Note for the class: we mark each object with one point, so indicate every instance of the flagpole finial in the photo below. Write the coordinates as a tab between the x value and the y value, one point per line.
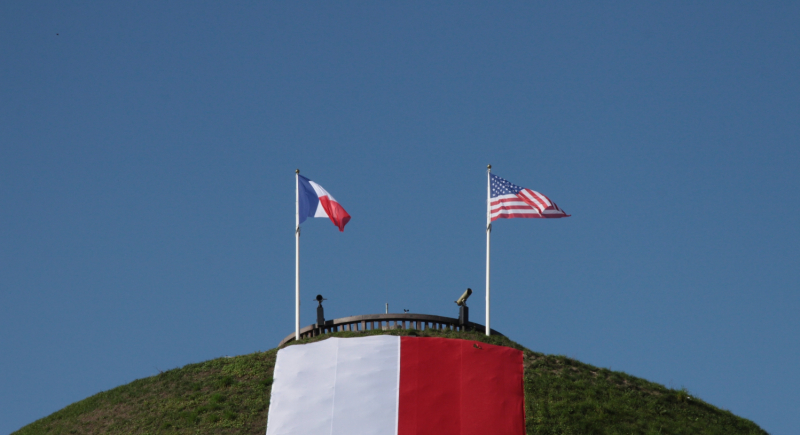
296	171
488	166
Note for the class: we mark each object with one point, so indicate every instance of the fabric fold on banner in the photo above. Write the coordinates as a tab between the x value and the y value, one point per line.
388	385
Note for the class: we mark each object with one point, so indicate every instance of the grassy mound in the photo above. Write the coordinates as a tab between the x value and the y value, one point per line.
231	396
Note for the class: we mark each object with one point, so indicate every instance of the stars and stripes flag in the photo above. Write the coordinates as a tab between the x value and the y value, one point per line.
511	201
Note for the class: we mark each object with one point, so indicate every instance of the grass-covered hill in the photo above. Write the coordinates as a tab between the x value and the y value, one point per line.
231	396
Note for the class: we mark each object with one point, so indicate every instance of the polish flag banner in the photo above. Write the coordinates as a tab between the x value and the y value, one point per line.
389	385
314	201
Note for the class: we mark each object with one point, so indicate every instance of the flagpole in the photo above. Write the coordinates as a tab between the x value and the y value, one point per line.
297	254
488	240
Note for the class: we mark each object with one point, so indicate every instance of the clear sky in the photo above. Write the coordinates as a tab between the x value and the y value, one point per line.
148	149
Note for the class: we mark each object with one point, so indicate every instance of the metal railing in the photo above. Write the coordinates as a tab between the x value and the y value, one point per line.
385	322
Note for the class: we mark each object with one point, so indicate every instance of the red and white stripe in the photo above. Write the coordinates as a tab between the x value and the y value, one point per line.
535	199
525	204
388	385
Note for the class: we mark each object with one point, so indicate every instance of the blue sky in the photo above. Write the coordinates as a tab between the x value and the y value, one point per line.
147	157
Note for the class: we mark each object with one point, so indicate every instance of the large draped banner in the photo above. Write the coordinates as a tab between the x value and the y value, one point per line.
388	385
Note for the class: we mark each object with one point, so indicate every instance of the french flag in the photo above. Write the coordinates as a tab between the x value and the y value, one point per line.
314	201
389	385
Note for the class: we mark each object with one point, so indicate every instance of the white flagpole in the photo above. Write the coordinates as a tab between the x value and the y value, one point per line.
488	240
297	254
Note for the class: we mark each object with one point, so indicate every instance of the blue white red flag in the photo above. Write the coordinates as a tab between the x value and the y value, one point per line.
511	201
314	201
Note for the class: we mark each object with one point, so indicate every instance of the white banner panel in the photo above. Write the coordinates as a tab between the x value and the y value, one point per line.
338	386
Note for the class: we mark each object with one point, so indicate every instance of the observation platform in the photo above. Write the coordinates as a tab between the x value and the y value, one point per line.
386	322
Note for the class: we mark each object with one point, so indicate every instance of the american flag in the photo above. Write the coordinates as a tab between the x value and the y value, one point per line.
511	201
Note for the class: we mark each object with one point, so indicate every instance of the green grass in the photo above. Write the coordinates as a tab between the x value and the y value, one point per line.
231	396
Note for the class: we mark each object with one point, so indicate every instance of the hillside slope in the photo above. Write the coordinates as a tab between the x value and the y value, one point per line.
231	396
